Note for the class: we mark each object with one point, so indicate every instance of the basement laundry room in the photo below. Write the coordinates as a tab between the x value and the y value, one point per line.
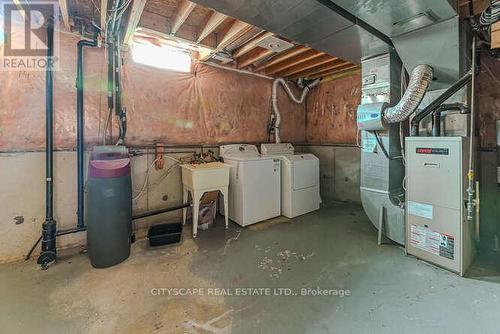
229	166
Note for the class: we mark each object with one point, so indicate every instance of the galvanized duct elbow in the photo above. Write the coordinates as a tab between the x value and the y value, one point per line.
420	80
299	100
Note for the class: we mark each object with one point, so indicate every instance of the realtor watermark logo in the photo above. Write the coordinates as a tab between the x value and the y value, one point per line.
25	38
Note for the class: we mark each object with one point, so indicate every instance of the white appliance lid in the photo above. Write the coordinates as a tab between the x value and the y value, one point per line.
300	157
277	149
239	150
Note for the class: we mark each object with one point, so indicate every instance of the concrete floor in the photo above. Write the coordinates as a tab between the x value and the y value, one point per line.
334	248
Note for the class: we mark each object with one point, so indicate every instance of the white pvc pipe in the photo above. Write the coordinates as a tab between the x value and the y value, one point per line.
274	98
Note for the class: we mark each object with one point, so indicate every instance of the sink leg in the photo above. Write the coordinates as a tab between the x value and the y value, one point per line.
196	208
185	194
226	206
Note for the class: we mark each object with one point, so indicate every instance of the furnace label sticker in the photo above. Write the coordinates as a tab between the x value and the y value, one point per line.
369	143
433	242
420	210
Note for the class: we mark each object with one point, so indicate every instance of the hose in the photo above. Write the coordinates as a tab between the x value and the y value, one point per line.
299	100
420	80
491	14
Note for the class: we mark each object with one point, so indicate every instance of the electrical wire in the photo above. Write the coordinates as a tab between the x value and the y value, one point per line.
379	141
148	173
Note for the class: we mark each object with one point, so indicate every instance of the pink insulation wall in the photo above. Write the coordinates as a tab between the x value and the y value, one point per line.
208	105
331	111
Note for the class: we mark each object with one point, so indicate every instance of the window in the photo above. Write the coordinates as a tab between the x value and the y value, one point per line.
165	57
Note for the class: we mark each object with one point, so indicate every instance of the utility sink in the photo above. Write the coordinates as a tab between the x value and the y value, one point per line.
205	176
198	179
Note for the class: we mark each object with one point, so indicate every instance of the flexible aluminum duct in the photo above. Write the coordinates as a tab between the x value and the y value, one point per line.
274	97
420	80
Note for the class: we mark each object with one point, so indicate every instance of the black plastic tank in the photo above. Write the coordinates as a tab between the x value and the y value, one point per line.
109	206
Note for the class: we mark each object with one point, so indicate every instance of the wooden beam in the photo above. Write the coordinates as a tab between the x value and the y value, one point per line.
307	65
63	6
252	44
341	70
328	67
214	21
104	13
254	57
341	74
185	8
302	58
133	21
236	30
282	57
479	7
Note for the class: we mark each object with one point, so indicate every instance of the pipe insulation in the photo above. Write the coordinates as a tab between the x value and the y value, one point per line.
274	96
420	80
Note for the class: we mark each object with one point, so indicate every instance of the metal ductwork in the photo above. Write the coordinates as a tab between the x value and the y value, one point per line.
309	22
419	82
442	45
352	30
382	193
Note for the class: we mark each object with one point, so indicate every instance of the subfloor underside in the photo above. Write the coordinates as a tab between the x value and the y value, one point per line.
371	288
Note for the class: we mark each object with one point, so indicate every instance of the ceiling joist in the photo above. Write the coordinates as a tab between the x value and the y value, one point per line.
253	57
236	30
346	68
252	44
306	56
328	67
282	57
185	8
104	12
308	65
133	21
210	34
213	22
63	5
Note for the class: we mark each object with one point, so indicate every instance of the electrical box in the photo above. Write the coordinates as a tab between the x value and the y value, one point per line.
437	229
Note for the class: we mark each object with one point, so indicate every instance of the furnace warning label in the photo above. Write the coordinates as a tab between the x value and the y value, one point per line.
433	242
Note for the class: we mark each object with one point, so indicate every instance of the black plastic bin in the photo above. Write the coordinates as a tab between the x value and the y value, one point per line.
164	234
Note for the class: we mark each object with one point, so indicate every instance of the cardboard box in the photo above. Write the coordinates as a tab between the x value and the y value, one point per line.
209	197
496	26
495	39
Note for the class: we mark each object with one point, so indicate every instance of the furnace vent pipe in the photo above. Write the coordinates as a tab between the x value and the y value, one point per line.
420	80
274	96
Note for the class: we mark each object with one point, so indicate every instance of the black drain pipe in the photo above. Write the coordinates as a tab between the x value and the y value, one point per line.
49	228
160	211
80	126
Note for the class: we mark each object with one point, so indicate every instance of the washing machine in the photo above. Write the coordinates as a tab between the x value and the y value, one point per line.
299	179
254	184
